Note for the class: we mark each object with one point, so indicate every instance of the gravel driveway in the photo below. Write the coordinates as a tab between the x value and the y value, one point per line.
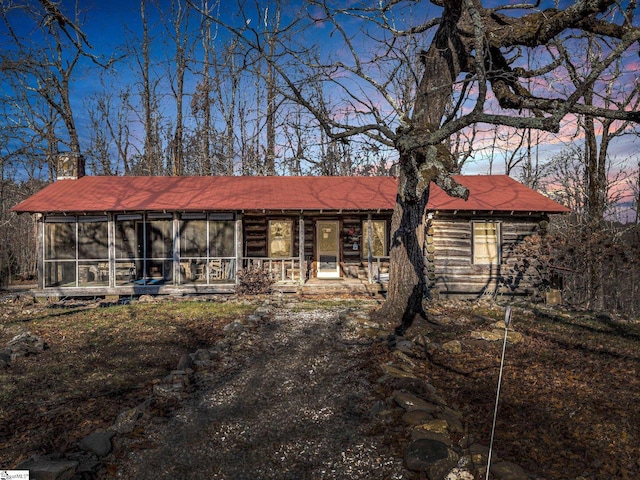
291	399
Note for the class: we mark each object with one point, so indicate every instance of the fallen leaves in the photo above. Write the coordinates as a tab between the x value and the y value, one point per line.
568	402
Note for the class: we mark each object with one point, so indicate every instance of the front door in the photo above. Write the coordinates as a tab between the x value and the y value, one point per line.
328	242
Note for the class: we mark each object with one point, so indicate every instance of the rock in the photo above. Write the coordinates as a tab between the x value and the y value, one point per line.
24	344
454	346
409	401
263	311
497	335
185	362
5	356
404	358
430	456
146	299
434	397
405	346
514	337
417	417
459	474
45	469
437	425
397	372
173	391
88	464
98	443
201	355
479	454
508	471
420	434
489	336
453	420
360	322
126	421
233	327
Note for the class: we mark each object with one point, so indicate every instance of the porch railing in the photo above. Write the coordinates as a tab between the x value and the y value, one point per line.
380	269
288	269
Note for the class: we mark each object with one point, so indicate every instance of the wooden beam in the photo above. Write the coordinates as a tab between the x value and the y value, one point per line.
301	248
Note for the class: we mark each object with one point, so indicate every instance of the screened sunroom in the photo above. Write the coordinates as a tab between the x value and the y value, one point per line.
139	249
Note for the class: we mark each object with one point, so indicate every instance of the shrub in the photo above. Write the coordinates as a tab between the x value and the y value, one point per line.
254	281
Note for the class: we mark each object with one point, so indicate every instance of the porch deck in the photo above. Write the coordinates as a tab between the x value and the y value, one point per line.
337	286
334	286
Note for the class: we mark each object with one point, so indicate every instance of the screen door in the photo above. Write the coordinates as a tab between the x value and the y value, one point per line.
328	249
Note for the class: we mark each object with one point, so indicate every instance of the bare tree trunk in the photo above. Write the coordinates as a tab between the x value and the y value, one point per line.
270	156
205	134
409	289
148	154
419	166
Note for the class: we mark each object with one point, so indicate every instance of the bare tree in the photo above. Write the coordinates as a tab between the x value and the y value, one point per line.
176	25
150	161
44	62
470	49
634	185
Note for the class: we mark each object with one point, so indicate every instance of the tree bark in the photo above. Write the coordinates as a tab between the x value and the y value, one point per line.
408	289
420	164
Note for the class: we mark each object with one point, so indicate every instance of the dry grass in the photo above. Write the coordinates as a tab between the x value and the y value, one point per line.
98	362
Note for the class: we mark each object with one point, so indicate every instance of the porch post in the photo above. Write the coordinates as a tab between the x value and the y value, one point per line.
370	250
239	242
176	249
111	226
40	249
303	268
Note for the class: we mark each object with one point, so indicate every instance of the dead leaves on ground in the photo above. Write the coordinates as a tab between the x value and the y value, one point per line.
568	404
100	361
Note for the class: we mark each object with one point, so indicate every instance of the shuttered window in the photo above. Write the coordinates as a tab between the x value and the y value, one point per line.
486	243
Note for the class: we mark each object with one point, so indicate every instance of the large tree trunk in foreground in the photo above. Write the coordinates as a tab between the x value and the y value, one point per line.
421	163
409	289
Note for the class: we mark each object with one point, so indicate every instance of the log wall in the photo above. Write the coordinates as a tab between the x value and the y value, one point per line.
449	256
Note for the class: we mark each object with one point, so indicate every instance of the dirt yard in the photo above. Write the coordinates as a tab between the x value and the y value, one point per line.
568	406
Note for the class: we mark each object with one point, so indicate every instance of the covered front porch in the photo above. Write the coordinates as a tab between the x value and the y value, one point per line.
200	253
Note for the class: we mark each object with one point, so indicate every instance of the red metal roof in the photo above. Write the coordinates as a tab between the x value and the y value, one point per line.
118	194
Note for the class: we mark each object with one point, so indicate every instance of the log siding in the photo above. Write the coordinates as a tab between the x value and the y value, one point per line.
449	263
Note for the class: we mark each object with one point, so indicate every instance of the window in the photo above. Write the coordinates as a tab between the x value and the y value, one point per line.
93	251
159	248
76	251
280	238
129	264
378	238
207	248
222	238
486	243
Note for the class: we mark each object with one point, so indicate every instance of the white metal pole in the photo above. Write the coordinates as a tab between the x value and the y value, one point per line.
507	321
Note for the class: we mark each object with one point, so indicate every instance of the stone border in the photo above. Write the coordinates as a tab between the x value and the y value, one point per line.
430	424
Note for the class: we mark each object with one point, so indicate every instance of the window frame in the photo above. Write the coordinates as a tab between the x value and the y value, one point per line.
365	238
270	237
486	259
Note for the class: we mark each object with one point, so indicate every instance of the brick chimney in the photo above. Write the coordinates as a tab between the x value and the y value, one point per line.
70	166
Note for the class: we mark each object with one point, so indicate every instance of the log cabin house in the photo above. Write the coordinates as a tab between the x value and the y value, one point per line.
187	235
